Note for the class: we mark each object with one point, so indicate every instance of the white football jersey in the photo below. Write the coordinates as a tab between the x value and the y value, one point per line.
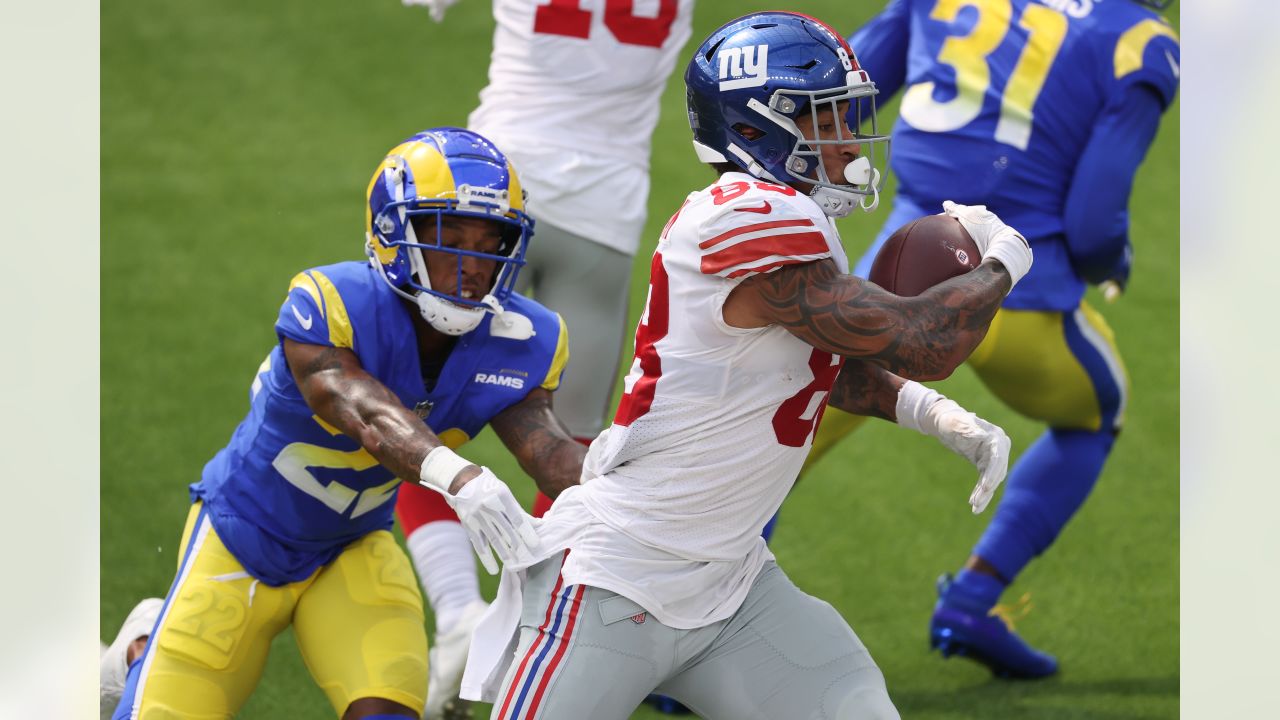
709	437
573	98
716	421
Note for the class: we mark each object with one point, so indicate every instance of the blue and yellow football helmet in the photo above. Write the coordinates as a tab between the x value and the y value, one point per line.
444	172
764	71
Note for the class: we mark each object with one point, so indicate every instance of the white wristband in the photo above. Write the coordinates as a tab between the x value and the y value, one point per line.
914	401
440	467
1011	250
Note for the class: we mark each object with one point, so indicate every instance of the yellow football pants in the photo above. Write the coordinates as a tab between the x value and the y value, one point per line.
358	622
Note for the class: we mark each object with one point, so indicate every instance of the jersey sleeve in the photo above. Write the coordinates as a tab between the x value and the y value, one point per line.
1147	53
758	232
1095	217
559	359
881	47
315	313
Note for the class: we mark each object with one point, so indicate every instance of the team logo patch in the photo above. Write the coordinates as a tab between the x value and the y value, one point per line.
638	619
763	209
743	67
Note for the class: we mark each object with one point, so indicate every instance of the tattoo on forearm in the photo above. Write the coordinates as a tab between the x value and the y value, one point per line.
865	389
545	450
338	389
920	337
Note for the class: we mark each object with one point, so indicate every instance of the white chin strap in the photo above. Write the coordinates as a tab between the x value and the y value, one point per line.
452	319
447	317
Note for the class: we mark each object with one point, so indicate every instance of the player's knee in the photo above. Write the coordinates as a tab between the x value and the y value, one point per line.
861	696
868	703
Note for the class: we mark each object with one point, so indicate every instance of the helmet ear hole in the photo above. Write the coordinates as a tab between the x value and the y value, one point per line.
749	132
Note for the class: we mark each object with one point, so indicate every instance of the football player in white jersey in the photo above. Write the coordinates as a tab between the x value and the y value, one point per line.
655	576
573	99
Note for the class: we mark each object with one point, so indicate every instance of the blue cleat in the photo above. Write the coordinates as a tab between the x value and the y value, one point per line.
988	639
666	705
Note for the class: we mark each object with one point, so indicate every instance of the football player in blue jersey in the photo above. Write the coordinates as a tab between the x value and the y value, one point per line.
1043	112
382	367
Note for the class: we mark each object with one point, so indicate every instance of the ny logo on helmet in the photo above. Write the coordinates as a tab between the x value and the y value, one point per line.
746	66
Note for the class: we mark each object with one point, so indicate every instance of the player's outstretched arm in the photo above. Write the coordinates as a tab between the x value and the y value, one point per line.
923	338
866	389
344	395
540	442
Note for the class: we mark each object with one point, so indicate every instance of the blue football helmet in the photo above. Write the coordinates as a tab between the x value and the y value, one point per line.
764	70
436	173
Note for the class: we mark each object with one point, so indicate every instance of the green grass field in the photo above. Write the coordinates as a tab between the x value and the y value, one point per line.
237	140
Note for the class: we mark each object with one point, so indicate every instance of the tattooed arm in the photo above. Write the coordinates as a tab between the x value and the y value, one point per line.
342	394
921	338
542	444
865	389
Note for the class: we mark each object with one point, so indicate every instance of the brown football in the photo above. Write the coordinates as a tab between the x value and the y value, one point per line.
923	253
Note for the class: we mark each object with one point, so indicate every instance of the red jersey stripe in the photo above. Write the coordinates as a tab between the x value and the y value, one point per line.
754	228
757	249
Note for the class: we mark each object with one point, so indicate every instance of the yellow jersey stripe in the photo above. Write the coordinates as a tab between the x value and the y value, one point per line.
340	332
560	359
304	281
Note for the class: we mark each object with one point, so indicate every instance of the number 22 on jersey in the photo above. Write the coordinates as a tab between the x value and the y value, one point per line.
968	55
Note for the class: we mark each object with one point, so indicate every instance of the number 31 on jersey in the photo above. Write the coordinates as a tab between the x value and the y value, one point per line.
967	55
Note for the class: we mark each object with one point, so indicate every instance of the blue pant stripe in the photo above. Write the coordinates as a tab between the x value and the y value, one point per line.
135	669
537	662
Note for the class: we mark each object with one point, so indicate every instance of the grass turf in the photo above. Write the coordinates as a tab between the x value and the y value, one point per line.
237	139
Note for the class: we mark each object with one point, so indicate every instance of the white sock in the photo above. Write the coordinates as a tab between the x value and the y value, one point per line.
446	563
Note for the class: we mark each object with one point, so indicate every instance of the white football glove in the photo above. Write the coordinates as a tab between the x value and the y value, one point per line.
993	238
978	441
494	520
437	7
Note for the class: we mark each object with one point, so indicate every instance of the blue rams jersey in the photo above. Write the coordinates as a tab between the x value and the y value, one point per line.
1001	97
289	491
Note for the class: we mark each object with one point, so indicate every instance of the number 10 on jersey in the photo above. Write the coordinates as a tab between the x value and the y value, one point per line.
568	18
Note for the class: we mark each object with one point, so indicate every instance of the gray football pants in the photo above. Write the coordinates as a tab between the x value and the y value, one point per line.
590	654
589	285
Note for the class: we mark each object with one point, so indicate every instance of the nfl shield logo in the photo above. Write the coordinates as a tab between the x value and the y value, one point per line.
423	409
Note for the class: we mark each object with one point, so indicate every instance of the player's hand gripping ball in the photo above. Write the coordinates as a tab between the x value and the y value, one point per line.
923	253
